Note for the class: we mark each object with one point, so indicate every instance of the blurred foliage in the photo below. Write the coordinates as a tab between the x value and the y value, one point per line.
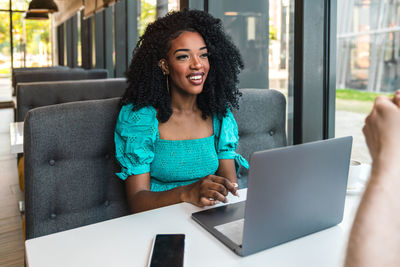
352	94
33	36
4	4
148	14
273	32
4	33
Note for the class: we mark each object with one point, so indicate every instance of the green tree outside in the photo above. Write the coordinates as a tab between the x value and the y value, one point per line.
148	14
31	36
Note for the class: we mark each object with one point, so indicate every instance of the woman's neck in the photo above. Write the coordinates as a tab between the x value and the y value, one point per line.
183	103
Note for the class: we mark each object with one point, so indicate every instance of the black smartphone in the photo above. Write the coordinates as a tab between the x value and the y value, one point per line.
168	250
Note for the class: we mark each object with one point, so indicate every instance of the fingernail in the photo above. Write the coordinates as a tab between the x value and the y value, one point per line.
235	185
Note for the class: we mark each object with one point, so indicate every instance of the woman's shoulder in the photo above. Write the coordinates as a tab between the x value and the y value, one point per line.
224	124
144	115
224	118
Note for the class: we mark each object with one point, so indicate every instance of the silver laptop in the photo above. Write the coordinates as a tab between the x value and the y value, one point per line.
292	192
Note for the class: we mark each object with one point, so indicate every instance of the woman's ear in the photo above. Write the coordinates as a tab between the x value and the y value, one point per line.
164	66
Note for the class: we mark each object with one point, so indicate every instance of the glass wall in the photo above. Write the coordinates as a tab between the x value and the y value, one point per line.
115	30
32	46
79	40
367	62
30	43
368	39
261	31
5	45
151	9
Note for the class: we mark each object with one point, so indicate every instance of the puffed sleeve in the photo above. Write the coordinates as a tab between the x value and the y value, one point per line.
227	138
135	134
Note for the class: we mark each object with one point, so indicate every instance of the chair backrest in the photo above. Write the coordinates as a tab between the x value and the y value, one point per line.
58	74
70	166
261	120
38	94
19	70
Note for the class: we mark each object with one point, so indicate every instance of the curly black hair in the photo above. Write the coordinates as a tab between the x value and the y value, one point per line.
147	84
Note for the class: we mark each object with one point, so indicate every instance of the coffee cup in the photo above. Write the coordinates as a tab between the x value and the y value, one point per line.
354	174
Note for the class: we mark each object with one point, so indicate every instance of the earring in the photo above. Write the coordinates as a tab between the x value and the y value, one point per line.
167	83
166	76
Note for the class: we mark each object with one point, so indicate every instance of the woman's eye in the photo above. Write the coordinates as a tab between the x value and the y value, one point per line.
181	57
205	55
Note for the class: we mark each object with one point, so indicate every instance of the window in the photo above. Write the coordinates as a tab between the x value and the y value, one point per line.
367	63
29	44
261	31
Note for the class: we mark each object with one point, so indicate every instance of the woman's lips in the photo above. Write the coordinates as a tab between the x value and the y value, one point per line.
196	78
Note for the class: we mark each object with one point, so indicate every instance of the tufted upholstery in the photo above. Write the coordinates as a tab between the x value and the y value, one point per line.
57	74
38	94
261	119
70	164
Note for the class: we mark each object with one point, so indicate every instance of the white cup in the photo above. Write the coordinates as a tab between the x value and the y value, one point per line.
354	174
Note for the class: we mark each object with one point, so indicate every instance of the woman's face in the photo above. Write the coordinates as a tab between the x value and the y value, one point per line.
187	63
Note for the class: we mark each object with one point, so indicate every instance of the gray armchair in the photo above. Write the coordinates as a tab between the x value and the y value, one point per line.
70	167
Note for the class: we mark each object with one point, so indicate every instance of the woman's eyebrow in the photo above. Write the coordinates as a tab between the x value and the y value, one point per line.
182	49
187	50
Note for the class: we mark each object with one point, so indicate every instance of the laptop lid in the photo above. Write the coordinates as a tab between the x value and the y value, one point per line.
292	192
295	191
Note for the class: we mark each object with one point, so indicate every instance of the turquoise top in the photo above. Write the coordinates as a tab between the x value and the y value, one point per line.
171	163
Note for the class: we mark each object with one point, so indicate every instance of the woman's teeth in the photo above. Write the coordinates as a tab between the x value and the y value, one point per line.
197	77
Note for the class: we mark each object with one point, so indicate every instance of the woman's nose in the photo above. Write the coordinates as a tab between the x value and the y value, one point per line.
196	63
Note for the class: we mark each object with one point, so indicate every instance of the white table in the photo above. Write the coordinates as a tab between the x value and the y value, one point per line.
17	137
126	241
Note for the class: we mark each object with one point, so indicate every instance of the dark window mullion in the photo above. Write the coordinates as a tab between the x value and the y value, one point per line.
314	70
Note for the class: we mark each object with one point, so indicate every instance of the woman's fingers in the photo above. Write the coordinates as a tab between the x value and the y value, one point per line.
214	195
218	187
228	185
204	201
212	189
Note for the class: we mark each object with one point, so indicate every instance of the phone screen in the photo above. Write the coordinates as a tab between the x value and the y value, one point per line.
168	250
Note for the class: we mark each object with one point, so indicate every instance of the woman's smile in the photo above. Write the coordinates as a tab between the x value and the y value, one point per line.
196	78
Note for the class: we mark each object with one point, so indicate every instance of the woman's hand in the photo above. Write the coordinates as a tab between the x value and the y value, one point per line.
208	191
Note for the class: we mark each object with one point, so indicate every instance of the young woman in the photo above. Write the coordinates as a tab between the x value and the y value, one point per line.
176	136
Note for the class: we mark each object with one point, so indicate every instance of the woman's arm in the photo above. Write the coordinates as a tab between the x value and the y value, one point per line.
207	191
227	169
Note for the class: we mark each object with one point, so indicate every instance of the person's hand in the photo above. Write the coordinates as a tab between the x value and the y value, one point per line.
382	128
209	191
